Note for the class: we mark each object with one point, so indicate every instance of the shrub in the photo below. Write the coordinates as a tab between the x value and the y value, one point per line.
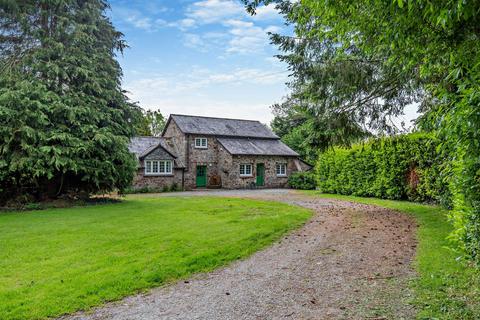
302	180
173	187
145	189
400	167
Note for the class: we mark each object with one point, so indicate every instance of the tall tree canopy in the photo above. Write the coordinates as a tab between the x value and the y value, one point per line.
339	93
65	122
363	61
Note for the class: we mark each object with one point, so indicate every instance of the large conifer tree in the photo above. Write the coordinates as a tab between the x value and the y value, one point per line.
65	121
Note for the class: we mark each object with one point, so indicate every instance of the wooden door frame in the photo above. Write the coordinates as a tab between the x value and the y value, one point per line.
257	176
196	176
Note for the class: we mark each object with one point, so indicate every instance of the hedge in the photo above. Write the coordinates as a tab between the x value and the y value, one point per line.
302	180
404	167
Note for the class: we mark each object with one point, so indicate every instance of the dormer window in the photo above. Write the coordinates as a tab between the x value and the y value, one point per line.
158	167
201	143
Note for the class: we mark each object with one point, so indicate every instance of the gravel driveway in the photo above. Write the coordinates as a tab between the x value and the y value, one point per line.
350	261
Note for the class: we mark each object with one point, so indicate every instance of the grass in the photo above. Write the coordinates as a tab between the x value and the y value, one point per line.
445	288
59	261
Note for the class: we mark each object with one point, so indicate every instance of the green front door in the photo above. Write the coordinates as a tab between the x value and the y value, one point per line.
201	176
260	174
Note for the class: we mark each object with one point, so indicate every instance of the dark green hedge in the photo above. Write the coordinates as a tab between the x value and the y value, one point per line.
302	180
401	167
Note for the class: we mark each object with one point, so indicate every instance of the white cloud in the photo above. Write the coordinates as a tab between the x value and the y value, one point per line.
252	76
244	36
140	22
187	23
235	23
193	40
266	13
200	78
202	106
241	34
210	11
241	37
137	20
247	37
239	93
214	11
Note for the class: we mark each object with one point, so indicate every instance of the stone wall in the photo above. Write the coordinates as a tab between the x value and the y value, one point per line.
157	182
202	157
231	178
177	141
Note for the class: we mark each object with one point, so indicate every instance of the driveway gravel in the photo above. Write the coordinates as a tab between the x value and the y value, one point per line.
349	261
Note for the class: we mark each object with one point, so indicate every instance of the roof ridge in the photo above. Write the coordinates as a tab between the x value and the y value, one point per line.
208	117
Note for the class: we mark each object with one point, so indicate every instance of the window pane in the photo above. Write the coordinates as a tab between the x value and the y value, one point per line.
162	166
204	142
248	169
168	166
154	166
242	169
148	165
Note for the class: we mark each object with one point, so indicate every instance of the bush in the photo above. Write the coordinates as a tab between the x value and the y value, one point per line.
175	187
400	167
146	189
302	180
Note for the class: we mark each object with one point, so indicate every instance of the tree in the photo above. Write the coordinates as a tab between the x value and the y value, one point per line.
140	123
338	94
149	123
156	122
65	122
423	50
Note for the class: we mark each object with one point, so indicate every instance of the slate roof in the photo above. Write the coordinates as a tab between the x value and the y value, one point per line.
222	127
141	145
267	147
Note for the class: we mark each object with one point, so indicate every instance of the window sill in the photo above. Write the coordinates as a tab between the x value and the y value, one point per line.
246	176
282	176
158	174
204	148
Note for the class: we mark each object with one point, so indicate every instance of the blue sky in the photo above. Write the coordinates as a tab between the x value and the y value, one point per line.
206	57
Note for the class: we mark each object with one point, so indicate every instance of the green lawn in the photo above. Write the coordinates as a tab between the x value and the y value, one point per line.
61	260
445	288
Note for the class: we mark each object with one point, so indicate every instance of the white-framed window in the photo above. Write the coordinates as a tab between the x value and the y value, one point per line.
246	170
158	167
281	169
201	143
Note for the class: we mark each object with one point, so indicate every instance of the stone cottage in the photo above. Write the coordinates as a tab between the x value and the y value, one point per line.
205	152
